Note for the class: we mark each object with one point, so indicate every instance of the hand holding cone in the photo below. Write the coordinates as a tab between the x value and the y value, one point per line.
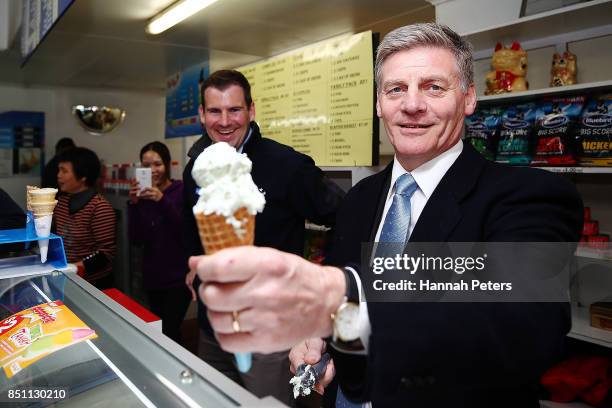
225	211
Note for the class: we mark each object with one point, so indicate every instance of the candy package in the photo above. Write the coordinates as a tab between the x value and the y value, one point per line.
515	144
595	132
34	333
482	131
555	119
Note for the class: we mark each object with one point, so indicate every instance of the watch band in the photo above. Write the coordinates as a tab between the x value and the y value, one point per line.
352	290
351	296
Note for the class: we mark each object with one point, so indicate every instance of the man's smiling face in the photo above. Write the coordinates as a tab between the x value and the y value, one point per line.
422	104
226	115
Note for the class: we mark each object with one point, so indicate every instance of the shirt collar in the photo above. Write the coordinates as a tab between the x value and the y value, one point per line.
428	175
246	139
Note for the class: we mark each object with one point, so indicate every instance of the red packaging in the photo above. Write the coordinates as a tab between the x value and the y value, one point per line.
590	228
599	241
587	213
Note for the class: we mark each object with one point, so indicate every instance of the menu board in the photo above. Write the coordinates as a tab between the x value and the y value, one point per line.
320	100
39	16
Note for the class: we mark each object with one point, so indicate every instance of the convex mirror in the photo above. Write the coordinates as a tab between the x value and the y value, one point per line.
98	119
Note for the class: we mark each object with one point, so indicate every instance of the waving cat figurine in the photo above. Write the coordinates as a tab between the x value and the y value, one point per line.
510	69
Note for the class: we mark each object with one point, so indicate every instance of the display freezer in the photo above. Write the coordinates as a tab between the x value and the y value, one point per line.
129	364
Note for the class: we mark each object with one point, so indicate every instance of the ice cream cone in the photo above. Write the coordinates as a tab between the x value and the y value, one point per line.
42	195
43	208
217	234
43	217
225	211
29	190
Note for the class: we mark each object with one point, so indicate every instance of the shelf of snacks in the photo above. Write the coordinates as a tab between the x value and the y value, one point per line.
594	253
582	329
546	28
568	132
524	96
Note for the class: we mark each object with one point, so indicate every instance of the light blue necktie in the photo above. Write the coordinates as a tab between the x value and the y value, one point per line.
397	220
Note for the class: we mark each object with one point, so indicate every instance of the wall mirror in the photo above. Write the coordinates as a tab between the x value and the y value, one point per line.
98	119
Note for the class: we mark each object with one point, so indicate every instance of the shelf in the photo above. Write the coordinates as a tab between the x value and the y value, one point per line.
586	252
542	29
577	170
582	329
554	91
550	404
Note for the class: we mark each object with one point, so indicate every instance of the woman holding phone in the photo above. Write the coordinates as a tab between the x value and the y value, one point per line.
154	217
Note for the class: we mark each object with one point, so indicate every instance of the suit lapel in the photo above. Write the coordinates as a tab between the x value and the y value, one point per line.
443	209
378	190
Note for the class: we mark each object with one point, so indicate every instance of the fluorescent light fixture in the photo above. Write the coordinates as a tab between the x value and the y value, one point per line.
176	13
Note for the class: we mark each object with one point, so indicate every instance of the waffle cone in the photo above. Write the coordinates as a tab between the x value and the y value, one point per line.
42	195
42	209
216	234
29	190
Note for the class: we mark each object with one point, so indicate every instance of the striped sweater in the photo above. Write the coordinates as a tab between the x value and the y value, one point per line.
88	233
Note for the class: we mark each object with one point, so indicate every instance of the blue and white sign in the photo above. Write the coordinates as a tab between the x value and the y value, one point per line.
183	101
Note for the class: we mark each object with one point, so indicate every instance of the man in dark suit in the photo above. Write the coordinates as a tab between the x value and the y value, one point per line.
437	189
295	190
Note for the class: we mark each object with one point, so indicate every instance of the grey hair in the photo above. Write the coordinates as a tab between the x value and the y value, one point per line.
427	35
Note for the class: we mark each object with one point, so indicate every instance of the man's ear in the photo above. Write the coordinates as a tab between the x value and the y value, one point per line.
470	100
378	111
201	111
252	112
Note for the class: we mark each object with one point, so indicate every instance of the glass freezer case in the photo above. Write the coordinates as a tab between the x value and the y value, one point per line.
129	364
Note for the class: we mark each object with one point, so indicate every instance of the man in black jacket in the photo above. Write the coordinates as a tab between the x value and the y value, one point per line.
437	189
295	190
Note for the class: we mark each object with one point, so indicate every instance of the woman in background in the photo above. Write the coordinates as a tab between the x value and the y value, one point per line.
83	218
154	216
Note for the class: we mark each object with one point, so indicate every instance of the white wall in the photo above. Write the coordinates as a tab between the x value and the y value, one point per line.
144	122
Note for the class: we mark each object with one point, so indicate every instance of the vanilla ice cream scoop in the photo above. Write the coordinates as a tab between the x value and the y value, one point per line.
226	185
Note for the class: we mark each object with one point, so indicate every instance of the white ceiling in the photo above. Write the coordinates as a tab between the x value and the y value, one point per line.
102	43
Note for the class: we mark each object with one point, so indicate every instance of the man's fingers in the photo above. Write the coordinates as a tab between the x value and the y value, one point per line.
224	297
296	356
312	356
330	372
236	264
194	297
193	263
223	322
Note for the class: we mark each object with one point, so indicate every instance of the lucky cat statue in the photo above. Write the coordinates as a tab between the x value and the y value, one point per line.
510	69
563	70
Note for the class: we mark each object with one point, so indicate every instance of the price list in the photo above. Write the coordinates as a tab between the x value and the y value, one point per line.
319	99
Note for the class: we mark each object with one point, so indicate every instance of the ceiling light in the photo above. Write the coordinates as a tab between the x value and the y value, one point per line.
176	13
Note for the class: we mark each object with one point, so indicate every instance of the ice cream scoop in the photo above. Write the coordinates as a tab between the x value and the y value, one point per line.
307	376
226	185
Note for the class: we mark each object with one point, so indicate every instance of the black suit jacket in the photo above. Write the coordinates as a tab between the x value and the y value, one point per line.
295	189
461	354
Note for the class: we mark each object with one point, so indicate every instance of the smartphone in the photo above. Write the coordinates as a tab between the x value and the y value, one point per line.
143	177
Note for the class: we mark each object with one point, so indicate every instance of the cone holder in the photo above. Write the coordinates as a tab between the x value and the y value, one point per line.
56	257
